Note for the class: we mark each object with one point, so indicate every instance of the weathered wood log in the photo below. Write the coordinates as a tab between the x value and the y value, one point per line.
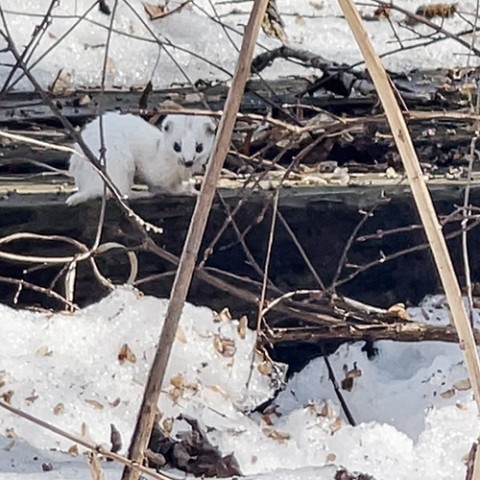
441	89
345	332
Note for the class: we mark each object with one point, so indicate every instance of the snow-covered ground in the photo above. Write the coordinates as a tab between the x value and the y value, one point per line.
313	25
416	418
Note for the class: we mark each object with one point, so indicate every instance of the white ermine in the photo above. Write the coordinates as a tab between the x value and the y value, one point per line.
165	158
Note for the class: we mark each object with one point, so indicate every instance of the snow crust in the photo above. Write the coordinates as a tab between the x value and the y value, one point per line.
414	409
317	26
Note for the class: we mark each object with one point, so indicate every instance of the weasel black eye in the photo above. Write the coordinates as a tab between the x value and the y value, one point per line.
177	147
199	148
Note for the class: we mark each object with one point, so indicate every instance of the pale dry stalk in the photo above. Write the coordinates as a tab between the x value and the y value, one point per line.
421	196
193	240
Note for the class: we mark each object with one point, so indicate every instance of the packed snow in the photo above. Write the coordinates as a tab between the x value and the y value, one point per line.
412	402
209	50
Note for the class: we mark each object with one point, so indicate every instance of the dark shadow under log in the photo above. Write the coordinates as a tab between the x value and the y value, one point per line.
322	219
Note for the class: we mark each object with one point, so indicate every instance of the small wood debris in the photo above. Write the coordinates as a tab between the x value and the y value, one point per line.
192	453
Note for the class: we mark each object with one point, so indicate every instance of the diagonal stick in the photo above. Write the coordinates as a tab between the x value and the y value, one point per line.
143	428
421	195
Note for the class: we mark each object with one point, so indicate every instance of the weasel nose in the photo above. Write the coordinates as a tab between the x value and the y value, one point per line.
188	163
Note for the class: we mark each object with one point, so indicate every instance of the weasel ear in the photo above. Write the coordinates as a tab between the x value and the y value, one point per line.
211	127
166	125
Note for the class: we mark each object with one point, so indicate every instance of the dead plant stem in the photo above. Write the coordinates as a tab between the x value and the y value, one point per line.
195	233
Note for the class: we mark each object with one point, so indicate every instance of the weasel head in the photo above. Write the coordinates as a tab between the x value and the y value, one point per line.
188	139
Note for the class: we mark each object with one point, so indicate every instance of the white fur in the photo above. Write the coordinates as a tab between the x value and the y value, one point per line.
134	147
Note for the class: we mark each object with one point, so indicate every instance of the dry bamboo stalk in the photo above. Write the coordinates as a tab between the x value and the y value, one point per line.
195	233
421	195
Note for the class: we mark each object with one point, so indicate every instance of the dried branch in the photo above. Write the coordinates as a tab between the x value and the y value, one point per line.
86	444
192	243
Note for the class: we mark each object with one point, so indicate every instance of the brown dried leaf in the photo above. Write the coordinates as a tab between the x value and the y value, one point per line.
43	351
276	435
327	411
10	433
180	336
223	316
155	11
216	389
7	396
448	393
265	368
178	381
242	327
126	355
32	398
59	409
115	403
175	394
73	450
463	384
95	404
382	12
224	346
299	20
331	457
347	384
85	431
317	5
336	425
